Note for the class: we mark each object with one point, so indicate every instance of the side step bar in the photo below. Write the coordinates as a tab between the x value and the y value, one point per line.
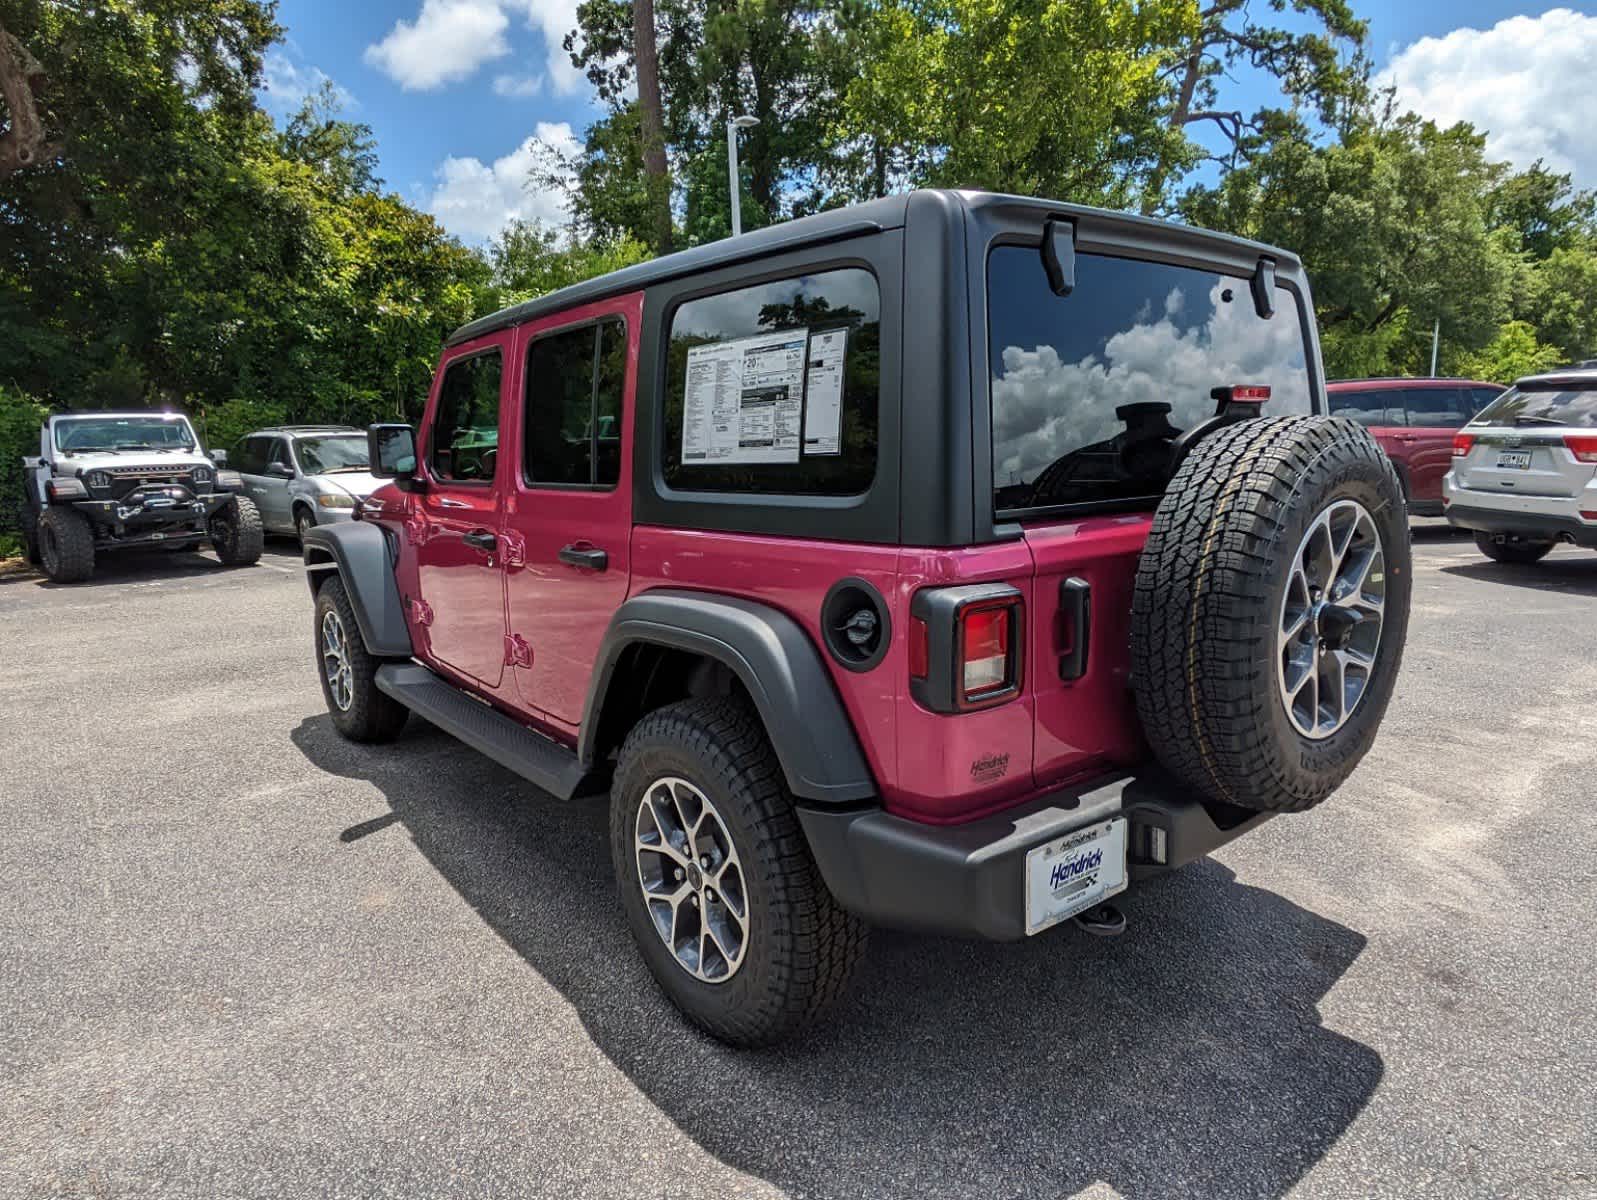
535	758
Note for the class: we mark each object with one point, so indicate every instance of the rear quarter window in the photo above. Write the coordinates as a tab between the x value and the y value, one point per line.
1088	390
776	388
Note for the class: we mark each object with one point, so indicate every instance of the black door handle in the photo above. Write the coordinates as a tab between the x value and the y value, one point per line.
480	539
1075	607
578	555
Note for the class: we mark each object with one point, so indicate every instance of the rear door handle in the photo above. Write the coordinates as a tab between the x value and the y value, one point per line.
480	539
1075	608
579	555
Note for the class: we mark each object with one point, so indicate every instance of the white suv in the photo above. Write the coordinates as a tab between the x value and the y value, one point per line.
1524	474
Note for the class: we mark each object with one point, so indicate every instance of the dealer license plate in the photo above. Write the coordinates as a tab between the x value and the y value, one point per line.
1517	459
1072	873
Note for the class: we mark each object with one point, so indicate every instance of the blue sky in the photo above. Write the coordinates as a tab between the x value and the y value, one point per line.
454	89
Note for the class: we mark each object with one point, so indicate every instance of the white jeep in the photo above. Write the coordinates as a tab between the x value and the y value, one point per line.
115	480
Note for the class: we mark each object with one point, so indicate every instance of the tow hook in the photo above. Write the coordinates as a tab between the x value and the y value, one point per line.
1102	920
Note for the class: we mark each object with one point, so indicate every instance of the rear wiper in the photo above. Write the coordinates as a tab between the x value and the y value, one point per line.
1537	421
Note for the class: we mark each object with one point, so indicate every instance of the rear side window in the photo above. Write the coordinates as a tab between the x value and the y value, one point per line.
1090	389
1440	408
1572	403
572	427
1373	406
465	436
776	388
249	456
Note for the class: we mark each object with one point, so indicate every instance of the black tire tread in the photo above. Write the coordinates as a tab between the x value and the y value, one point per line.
1203	599
373	715
819	942
74	541
237	533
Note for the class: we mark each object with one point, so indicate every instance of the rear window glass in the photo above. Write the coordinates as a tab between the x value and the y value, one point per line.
1545	404
1089	389
776	388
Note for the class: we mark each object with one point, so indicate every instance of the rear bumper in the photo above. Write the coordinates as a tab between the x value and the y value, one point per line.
969	880
1524	522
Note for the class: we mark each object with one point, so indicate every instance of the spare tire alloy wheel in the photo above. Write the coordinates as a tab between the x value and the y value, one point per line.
1331	618
1270	611
692	880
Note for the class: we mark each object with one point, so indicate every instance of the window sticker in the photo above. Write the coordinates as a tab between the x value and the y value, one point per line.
823	393
745	399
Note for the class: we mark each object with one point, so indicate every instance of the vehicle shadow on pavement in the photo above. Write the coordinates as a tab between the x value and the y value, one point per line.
137	566
1185	1058
1575	574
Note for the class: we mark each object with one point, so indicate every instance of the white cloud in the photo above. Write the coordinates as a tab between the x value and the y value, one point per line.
285	84
517	87
475	200
1527	81
448	40
1044	407
554	19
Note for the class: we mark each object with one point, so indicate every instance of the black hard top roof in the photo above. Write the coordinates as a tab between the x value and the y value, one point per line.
872	216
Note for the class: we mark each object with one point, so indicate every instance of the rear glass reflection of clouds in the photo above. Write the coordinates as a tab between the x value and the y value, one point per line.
1131	333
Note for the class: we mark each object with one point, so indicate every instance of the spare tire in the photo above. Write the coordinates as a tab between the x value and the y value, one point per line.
1270	611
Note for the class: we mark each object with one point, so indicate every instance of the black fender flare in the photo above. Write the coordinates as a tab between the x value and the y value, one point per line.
776	662
359	552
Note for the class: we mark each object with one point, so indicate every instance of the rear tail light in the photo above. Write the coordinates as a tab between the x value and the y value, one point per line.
984	651
965	646
1462	444
1583	446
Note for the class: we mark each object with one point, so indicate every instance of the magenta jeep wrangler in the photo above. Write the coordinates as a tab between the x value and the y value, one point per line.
950	563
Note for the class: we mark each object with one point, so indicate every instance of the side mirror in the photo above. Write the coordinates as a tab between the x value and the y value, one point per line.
219	457
281	470
391	450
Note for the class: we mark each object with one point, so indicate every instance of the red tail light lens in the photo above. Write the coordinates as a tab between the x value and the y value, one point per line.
919	651
1583	446
1462	444
986	637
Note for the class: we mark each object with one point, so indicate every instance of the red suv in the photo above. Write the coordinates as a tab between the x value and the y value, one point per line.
1414	421
947	563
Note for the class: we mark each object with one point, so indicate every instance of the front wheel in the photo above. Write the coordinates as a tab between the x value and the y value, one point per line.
66	545
720	891
1513	548
348	672
237	534
303	523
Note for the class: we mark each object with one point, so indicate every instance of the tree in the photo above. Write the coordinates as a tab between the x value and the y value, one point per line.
1543	211
344	151
1310	67
651	123
1514	352
529	260
1391	222
1036	96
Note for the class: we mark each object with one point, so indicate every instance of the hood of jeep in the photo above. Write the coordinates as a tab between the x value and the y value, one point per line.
130	460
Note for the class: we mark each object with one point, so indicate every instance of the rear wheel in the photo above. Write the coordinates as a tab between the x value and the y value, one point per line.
348	672
237	534
66	545
716	879
1512	547
1270	611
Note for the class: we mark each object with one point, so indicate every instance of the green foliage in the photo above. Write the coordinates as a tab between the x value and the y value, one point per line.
531	260
1512	353
20	418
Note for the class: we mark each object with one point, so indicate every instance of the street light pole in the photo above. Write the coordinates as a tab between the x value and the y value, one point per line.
732	127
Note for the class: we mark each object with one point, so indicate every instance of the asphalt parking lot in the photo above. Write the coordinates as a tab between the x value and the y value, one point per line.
240	957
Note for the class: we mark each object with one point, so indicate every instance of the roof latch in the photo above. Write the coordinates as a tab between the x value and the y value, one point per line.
1263	287
1059	255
